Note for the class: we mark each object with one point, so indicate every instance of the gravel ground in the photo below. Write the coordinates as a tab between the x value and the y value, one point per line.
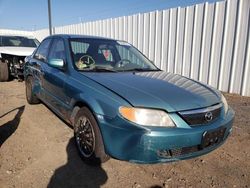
37	150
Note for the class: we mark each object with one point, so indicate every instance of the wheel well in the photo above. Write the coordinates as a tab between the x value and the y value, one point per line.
81	104
77	107
2	60
27	76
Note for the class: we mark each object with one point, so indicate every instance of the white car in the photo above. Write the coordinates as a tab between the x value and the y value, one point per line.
13	50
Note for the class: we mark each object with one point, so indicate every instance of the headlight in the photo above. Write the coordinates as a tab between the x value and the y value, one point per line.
147	117
224	101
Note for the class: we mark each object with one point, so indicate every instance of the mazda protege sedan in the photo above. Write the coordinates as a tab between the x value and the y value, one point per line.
121	105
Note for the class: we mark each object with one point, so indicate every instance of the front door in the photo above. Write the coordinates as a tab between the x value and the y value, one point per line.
53	78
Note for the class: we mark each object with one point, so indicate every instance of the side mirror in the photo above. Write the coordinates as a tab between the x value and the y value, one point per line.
56	63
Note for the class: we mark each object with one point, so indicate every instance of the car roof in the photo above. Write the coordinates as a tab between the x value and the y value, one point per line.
24	36
67	36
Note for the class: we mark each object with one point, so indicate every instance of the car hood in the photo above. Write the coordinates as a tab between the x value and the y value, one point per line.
18	51
159	90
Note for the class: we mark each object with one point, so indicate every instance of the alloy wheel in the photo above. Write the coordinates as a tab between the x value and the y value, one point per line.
85	137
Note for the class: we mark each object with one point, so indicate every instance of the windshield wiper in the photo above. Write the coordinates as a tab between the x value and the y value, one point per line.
98	69
141	70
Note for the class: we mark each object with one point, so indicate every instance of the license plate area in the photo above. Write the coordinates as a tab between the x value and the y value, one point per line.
211	138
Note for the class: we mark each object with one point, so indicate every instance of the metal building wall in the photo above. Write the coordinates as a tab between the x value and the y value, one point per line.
206	42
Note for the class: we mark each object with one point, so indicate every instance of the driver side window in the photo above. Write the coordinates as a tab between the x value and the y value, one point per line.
125	53
57	50
42	51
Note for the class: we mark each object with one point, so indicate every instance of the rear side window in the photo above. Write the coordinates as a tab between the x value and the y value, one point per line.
42	51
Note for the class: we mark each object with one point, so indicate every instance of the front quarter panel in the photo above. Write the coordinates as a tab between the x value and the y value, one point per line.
102	101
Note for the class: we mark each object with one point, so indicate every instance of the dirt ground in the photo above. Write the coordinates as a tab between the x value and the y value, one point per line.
38	151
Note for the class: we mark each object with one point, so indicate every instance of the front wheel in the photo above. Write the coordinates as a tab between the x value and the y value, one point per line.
4	71
30	96
88	138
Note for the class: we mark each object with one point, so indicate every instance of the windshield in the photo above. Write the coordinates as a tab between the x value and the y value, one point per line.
108	55
18	41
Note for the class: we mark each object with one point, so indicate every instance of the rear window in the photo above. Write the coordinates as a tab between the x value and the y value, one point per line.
18	41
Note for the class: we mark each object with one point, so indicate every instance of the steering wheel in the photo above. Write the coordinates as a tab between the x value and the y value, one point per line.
122	63
85	62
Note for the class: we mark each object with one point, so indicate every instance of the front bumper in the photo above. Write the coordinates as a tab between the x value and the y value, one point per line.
153	145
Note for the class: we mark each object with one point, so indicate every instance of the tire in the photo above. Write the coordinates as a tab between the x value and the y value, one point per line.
4	71
88	138
30	96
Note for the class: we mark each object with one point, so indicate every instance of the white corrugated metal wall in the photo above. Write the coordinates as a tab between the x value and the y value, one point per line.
206	42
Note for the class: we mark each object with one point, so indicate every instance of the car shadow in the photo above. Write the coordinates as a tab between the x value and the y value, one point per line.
75	173
7	129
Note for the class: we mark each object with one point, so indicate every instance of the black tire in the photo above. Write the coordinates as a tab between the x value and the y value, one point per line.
88	138
4	71
30	96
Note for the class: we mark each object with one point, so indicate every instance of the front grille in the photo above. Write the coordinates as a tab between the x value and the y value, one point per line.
209	139
201	116
177	152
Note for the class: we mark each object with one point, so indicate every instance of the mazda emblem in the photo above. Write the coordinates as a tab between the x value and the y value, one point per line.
209	116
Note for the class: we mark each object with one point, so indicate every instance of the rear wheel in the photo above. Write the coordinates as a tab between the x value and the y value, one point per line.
88	138
4	71
30	96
